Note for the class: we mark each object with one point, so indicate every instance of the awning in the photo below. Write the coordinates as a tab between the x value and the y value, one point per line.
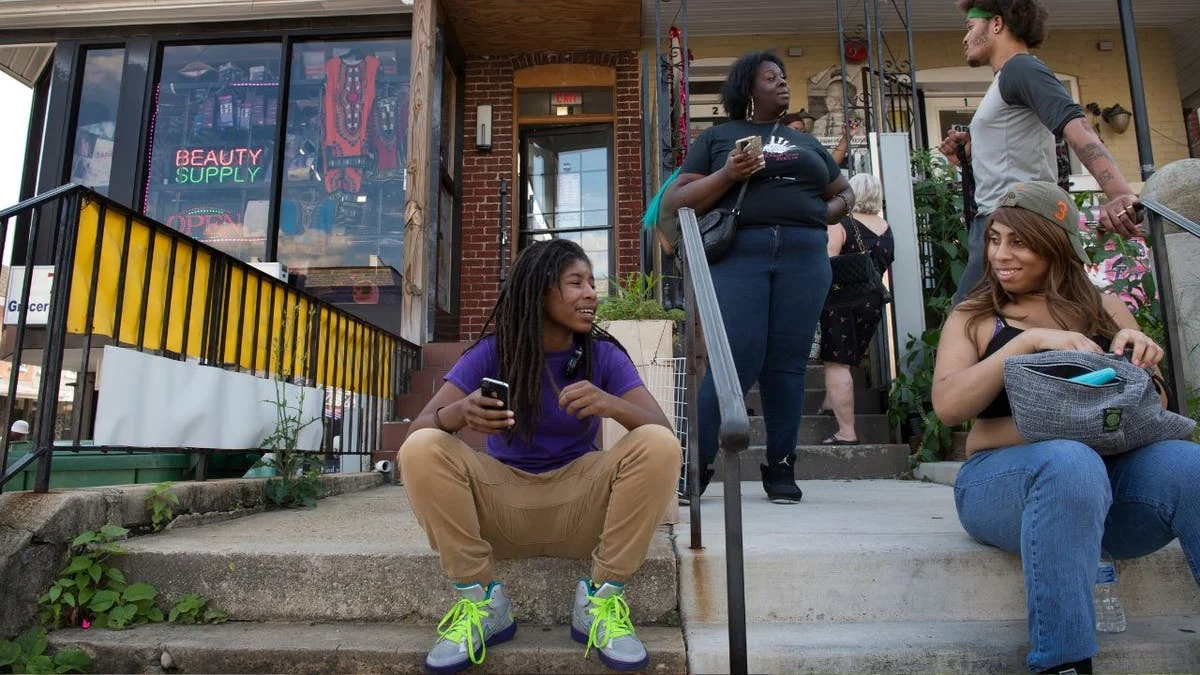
25	63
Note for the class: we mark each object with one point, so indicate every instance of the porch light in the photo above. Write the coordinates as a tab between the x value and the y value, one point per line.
1117	117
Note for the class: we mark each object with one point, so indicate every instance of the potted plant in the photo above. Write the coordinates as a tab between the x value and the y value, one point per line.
636	318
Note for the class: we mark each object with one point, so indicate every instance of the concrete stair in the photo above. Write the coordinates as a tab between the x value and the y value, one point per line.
321	648
866	401
878	576
352	586
829	462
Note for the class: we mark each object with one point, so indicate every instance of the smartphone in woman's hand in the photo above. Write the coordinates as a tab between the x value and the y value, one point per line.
751	145
497	389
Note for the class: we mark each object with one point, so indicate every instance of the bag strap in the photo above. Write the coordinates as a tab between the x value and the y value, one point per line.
737	207
857	235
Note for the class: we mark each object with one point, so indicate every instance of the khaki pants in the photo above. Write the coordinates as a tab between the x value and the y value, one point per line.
605	504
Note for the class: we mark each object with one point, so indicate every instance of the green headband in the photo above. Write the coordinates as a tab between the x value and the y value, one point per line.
976	13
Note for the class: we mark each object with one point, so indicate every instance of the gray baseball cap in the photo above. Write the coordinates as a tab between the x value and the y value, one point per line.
1050	202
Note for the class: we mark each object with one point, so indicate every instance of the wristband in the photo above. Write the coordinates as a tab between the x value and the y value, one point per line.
437	420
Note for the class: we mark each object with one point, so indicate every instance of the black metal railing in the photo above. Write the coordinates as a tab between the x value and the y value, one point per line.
1157	215
122	279
704	313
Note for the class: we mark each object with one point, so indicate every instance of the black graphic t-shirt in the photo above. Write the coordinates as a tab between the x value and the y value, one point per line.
788	191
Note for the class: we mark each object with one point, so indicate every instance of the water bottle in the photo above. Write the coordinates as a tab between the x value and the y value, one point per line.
1110	617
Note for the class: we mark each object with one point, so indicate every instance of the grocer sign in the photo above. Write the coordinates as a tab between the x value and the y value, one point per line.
39	295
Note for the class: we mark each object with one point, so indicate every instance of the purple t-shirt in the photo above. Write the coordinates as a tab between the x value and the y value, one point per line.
558	437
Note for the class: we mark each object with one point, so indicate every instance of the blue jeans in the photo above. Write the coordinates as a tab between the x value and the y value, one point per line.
771	288
1055	503
976	252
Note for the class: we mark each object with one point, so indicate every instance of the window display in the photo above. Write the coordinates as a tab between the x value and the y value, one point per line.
212	144
96	121
341	218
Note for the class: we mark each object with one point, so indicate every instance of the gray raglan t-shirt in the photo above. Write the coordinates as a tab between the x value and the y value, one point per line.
1012	133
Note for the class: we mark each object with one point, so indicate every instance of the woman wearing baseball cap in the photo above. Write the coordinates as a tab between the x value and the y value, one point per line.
1055	503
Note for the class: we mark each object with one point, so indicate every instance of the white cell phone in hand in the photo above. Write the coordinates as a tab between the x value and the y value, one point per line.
750	144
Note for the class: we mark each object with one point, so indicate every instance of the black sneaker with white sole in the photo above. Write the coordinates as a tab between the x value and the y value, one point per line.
779	482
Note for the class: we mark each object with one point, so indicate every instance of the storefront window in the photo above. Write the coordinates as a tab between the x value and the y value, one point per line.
341	220
213	144
91	163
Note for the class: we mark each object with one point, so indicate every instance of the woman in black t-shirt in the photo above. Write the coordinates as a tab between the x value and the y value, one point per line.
772	285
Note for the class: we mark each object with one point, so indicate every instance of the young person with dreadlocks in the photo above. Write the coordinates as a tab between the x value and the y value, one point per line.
542	488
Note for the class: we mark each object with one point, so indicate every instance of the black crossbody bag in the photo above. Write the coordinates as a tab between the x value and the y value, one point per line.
718	228
856	276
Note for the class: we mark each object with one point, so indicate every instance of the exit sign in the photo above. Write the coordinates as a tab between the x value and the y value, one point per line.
566	98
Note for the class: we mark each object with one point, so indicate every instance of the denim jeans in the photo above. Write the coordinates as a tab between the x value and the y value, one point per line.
771	288
1055	503
976	251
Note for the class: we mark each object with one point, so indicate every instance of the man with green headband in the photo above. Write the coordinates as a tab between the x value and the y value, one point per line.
1012	137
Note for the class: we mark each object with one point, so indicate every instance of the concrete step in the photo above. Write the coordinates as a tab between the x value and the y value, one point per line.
869	401
813	429
830	462
1149	645
867	551
360	557
304	648
943	473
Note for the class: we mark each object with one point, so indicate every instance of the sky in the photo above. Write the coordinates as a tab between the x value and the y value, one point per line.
14	123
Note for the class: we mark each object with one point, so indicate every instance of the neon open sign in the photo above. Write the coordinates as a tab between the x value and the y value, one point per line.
218	165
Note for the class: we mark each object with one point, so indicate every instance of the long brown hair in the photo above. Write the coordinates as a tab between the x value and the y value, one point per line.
1074	303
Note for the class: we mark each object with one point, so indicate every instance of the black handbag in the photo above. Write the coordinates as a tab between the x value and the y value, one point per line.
856	276
718	229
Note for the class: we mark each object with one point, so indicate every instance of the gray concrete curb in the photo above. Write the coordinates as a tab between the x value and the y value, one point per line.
36	528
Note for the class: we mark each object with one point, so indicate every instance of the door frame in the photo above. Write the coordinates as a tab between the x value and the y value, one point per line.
609	128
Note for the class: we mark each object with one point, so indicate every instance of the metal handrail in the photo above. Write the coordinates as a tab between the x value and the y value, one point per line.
735	427
1156	215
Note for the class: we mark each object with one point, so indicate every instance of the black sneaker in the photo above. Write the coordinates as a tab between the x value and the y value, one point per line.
779	481
685	498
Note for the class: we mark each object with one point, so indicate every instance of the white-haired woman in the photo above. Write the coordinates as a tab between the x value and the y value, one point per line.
846	332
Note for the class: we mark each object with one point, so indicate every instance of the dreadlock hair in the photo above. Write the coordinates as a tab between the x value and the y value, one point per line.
1073	301
518	317
738	89
1025	18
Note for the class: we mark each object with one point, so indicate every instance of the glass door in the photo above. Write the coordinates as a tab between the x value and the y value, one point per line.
566	190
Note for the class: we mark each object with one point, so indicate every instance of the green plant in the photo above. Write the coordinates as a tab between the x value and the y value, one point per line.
191	608
942	238
636	300
298	474
27	654
161	503
90	590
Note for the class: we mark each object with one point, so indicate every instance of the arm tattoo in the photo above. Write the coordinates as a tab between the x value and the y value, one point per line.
1104	177
1093	151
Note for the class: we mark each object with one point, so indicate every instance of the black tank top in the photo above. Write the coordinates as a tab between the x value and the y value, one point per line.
1004	333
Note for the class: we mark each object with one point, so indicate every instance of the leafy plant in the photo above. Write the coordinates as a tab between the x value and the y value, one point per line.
89	589
161	503
298	473
636	299
28	654
191	608
942	238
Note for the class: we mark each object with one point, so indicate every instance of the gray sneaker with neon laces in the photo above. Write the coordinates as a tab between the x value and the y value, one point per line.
601	620
479	619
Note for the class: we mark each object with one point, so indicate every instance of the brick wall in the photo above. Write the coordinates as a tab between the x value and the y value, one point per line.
489	80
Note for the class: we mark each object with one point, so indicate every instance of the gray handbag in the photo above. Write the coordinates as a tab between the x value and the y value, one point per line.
1121	415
